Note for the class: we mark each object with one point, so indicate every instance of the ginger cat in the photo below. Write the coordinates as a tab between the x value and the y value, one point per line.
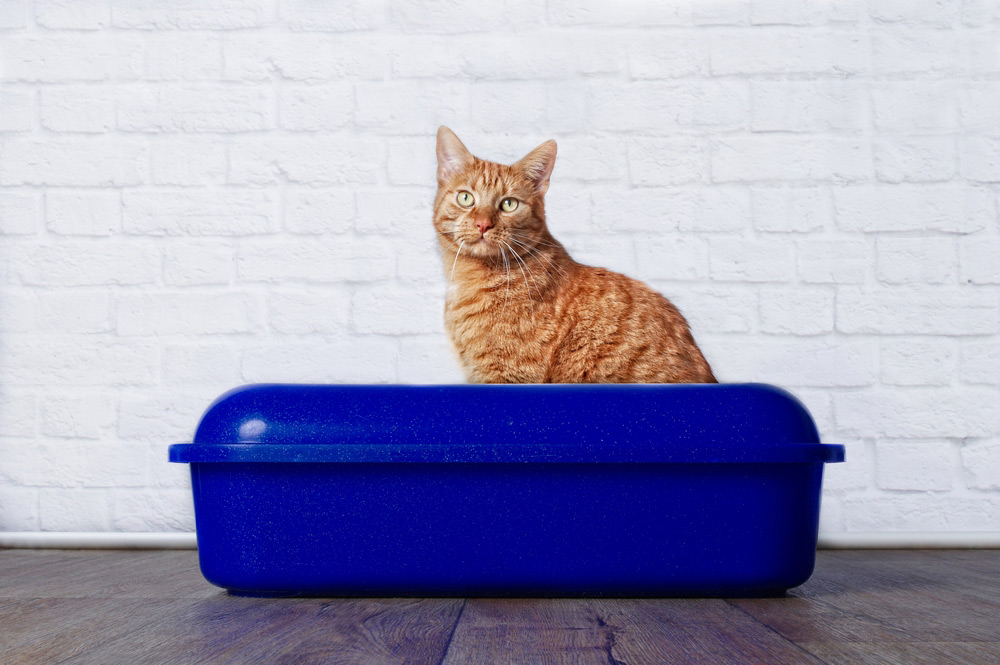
520	310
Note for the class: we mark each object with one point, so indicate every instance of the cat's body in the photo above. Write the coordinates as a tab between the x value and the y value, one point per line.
520	310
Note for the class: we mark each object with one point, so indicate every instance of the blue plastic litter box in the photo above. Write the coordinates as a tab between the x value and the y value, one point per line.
486	490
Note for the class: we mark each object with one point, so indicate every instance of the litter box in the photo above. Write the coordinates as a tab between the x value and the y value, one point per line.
507	490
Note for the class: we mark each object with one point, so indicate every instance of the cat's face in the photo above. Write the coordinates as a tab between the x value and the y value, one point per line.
490	209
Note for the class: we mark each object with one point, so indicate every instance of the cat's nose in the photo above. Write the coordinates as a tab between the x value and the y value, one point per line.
483	225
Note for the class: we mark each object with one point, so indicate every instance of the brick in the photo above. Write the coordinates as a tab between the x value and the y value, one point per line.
20	415
418	260
197	263
406	107
941	13
78	416
187	160
978	13
412	161
566	106
182	56
319	211
914	51
787	12
800	52
61	58
917	362
18	505
927	512
148	314
427	359
17	310
918	412
915	106
930	159
947	208
319	160
81	263
655	161
922	310
19	213
389	310
229	211
73	14
183	109
82	109
74	311
97	161
200	364
74	509
506	105
467	16
568	207
980	362
17	110
155	510
342	16
977	104
611	251
591	160
804	106
718	311
836	261
355	360
79	361
789	158
981	462
916	260
791	361
316	107
13	15
83	213
393	212
981	47
740	259
798	310
313	310
673	257
914	465
158	416
667	55
979	157
596	12
800	210
320	260
719	13
660	108
193	15
40	463
978	260
254	56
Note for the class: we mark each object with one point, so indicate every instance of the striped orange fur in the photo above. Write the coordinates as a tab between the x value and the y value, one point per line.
520	310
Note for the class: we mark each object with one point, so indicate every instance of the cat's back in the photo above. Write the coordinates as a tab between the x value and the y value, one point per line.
618	330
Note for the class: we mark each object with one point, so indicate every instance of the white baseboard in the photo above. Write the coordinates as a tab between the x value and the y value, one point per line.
837	540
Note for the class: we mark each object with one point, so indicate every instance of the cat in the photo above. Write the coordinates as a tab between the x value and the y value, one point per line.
518	309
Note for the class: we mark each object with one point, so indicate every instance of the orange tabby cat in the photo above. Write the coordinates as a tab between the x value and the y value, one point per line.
520	310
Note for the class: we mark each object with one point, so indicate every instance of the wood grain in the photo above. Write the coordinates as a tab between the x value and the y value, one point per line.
859	608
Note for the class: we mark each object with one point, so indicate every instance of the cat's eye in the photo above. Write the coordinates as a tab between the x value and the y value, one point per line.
509	204
465	199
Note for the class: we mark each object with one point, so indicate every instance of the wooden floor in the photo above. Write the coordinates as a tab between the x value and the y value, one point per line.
104	608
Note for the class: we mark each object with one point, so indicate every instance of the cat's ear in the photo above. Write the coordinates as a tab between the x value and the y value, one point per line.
452	155
537	165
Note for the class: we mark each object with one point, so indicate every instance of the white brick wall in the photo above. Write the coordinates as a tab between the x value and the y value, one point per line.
195	195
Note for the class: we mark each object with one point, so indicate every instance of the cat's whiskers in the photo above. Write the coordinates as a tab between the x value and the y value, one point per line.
506	264
524	267
455	264
538	254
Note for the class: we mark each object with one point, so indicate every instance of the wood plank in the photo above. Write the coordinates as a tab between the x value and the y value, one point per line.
907	653
103	574
233	630
584	631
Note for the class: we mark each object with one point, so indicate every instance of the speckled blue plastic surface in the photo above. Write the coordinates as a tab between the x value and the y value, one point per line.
564	490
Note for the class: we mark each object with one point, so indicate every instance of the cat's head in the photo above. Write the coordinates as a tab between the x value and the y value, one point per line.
486	207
